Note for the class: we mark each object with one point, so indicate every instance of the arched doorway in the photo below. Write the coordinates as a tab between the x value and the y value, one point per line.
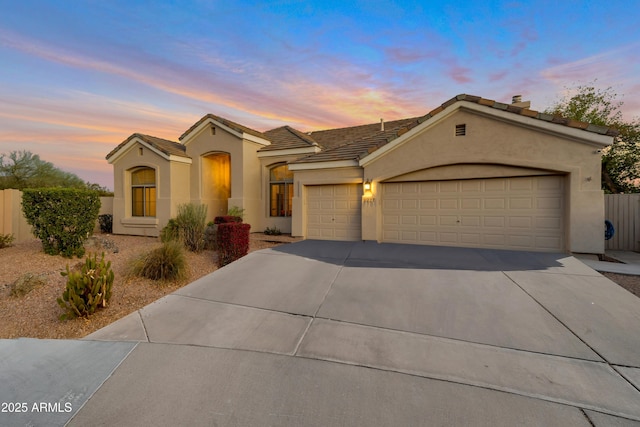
216	183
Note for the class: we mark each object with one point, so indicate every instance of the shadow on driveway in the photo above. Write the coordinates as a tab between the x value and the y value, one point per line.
390	255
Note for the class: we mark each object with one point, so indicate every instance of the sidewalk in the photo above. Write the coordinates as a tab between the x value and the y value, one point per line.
629	262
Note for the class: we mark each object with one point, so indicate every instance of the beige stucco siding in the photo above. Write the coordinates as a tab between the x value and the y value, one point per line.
200	145
170	177
493	144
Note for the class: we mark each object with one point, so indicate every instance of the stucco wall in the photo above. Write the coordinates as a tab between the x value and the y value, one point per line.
166	206
202	144
489	141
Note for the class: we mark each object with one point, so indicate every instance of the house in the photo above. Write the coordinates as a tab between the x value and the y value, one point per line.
473	172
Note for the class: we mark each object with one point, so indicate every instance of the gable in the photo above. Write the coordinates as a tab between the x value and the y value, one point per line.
168	150
211	121
580	132
491	146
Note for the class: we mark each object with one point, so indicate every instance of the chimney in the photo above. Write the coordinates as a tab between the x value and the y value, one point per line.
382	125
517	101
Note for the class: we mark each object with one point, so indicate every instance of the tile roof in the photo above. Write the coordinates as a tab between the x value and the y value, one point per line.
228	123
169	148
359	141
334	137
286	137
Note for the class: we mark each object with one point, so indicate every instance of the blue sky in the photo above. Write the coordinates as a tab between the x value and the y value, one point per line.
79	77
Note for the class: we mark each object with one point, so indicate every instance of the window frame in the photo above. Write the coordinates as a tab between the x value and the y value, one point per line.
147	192
280	202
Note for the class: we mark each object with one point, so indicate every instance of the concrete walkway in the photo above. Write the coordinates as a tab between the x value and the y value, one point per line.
350	333
629	262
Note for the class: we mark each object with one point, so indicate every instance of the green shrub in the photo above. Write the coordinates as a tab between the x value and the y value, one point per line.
87	289
191	223
188	227
275	231
170	232
6	240
233	242
26	283
236	211
164	263
62	218
106	223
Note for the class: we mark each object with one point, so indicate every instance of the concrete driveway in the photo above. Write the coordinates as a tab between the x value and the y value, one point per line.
352	333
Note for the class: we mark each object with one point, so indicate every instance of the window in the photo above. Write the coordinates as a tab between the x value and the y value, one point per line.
143	192
281	190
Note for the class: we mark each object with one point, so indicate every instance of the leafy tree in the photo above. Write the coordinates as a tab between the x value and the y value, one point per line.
23	169
620	161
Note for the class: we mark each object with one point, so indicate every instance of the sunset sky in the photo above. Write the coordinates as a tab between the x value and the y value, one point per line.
79	77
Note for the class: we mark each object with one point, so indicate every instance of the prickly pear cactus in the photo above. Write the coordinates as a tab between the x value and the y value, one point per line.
87	289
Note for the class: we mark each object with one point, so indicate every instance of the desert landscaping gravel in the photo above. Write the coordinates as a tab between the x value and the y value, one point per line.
36	314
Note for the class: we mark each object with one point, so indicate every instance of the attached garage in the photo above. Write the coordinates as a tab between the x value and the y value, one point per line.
525	213
334	212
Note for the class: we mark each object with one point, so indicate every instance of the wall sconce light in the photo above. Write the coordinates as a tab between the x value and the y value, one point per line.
367	186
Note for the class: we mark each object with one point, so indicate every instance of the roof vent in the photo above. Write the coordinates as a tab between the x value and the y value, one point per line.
516	99
382	125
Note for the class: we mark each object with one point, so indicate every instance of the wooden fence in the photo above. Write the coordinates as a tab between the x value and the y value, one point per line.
12	220
623	210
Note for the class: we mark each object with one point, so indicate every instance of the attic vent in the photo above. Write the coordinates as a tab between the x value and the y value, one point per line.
140	151
461	130
213	130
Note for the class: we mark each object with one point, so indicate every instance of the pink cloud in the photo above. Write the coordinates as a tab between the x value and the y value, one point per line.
498	76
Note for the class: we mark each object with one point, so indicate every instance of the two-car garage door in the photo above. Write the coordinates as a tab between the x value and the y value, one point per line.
525	213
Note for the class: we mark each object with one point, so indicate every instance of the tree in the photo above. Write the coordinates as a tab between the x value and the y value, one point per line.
23	169
620	161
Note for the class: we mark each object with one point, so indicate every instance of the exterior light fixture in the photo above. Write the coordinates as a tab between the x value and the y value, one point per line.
367	186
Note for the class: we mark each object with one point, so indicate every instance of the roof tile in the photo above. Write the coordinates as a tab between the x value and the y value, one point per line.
367	144
167	147
286	137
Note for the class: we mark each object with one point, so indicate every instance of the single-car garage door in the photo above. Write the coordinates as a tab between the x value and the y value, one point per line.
333	212
525	213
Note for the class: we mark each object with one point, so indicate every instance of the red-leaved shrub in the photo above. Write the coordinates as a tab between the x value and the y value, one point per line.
233	241
226	219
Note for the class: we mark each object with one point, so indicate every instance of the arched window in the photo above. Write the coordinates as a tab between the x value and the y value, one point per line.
281	190
143	192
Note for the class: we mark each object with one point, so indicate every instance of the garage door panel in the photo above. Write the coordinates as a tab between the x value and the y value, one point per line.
520	222
409	220
334	212
428	220
519	213
449	204
554	223
474	203
552	203
495	203
470	221
494	221
520	203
